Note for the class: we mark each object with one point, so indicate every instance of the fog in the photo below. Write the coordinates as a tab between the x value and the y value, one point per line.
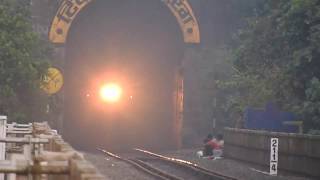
137	44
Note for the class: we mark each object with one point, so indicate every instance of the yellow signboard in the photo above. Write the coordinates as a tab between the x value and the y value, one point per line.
69	9
52	82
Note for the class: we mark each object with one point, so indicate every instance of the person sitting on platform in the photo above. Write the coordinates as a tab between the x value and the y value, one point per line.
207	150
213	147
217	146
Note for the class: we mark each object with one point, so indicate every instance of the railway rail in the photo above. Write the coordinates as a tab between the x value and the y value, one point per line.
167	168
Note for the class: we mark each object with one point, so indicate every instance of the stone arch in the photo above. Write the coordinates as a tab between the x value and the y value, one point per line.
181	9
69	9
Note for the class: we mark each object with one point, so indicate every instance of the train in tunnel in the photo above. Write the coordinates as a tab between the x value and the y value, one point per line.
123	80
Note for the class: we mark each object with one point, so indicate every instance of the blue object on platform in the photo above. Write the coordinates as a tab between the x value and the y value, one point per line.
270	119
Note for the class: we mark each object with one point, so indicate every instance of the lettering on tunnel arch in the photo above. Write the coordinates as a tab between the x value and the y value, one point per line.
69	9
186	19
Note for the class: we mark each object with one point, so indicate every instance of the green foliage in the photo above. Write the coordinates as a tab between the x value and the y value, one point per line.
277	59
23	59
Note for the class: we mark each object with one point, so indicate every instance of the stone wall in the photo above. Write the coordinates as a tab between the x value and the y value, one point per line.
297	153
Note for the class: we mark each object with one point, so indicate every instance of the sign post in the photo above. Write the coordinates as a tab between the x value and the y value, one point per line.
3	127
274	156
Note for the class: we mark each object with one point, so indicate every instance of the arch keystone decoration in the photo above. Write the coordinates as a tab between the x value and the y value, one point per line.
69	9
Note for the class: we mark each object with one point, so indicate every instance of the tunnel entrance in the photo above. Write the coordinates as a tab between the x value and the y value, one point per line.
140	48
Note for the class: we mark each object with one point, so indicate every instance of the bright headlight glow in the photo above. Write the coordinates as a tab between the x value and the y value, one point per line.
110	93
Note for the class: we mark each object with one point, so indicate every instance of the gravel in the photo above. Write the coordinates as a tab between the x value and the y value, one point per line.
115	169
240	170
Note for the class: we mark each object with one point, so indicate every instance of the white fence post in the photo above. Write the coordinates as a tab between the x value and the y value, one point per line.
3	128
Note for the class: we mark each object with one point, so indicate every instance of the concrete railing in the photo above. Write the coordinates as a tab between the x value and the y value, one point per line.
297	152
57	149
35	151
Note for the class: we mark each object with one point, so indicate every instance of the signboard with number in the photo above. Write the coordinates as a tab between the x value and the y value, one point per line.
274	156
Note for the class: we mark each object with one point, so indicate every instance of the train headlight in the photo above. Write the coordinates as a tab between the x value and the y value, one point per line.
110	93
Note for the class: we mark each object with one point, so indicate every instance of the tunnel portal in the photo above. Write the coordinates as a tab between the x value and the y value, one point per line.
138	47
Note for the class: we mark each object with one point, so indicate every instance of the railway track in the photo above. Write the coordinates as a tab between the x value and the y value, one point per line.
167	168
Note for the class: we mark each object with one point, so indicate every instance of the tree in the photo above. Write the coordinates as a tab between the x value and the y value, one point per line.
23	60
276	59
